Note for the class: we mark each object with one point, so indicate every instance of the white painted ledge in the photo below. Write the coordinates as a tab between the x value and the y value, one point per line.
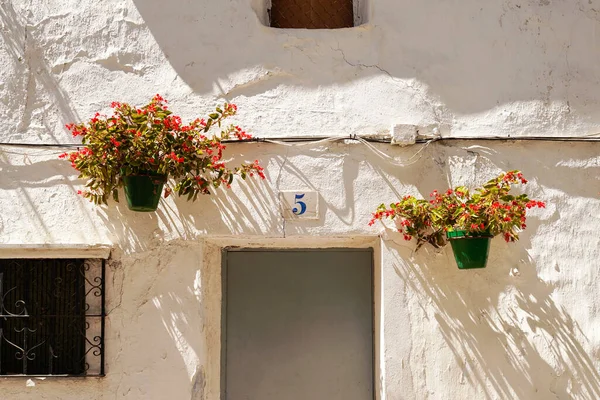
8	250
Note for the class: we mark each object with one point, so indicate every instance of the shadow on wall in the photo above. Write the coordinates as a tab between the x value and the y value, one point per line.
41	204
250	207
350	179
163	311
34	75
508	337
481	57
30	184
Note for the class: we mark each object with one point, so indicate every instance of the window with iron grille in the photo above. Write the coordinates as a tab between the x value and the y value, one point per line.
52	317
313	14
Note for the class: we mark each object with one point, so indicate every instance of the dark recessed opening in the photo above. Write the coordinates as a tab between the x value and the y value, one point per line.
312	14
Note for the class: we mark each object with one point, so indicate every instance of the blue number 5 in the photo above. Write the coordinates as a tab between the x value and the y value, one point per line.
302	205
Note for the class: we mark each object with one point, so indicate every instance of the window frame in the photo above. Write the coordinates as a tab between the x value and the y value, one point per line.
93	264
361	10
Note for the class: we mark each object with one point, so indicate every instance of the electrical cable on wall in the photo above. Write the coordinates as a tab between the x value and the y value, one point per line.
301	140
285	141
367	141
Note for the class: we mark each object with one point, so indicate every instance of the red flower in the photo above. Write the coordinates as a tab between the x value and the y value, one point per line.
240	134
151	131
159	98
78	131
259	170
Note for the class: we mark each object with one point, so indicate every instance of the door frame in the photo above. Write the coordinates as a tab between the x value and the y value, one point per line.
216	250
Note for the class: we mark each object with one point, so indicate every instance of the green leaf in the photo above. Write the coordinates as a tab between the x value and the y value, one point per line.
436	213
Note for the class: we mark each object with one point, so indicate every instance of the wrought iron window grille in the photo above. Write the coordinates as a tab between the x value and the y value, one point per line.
52	317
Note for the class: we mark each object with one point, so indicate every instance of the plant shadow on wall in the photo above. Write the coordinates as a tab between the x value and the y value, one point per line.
504	326
453	50
509	338
247	209
34	75
302	167
166	323
252	206
33	178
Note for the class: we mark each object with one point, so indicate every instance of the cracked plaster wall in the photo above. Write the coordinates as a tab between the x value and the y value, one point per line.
504	68
524	328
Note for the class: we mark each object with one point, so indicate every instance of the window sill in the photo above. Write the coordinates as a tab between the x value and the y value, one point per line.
18	250
361	27
41	378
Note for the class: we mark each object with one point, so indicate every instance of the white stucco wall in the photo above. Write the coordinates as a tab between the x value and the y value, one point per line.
526	327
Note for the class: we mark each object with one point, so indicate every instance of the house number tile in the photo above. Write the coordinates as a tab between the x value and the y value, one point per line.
299	204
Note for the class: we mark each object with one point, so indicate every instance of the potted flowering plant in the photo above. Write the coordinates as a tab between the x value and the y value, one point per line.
140	148
467	219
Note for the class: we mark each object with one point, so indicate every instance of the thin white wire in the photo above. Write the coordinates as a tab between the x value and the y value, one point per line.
392	160
376	151
326	140
38	153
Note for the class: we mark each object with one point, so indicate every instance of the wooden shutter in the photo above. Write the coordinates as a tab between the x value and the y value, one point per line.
312	14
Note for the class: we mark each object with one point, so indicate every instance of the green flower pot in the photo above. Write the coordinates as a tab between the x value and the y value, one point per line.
143	191
470	251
